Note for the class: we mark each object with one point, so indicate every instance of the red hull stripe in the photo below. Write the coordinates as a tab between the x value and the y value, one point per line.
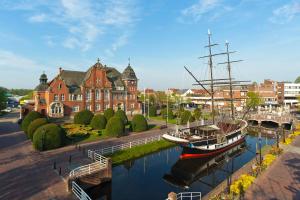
202	155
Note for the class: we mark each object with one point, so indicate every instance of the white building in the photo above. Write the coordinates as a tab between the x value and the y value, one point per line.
291	93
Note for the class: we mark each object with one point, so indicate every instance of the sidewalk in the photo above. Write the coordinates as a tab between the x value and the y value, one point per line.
282	180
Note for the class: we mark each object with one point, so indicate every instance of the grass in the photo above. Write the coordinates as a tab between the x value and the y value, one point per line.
139	151
159	118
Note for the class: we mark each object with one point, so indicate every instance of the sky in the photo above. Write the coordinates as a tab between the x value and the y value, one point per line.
159	36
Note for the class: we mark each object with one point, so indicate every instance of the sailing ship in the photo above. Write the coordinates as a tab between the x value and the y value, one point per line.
221	134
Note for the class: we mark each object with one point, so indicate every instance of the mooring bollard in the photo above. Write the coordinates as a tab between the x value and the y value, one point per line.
59	171
54	165
70	158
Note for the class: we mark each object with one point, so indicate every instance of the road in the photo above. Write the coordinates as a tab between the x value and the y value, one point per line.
28	174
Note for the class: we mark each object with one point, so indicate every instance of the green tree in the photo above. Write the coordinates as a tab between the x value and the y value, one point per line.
197	113
253	100
152	111
186	116
31	116
3	98
83	117
34	125
115	127
139	123
98	122
164	113
297	79
28	96
122	115
109	113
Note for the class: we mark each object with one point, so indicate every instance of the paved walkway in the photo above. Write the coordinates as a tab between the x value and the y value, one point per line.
282	180
28	174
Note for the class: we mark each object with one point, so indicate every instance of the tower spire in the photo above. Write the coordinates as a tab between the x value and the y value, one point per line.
128	61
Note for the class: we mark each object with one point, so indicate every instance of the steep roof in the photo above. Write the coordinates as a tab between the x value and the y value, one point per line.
129	73
41	87
72	78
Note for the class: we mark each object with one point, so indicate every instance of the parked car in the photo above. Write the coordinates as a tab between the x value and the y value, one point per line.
8	109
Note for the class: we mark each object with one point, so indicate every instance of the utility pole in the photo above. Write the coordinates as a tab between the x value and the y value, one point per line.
167	107
144	102
148	105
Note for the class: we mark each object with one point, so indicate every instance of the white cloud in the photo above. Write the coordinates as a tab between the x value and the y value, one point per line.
38	18
203	7
285	13
120	42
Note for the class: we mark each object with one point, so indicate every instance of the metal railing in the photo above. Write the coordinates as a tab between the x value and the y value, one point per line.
87	169
112	149
189	196
79	192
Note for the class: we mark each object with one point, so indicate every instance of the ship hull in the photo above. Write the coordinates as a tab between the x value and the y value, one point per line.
200	153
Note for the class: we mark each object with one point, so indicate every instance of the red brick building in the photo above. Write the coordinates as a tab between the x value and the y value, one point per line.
97	89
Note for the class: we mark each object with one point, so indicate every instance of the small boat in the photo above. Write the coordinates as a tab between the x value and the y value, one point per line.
223	133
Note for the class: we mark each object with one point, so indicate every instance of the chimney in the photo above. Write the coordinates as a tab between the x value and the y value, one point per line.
60	70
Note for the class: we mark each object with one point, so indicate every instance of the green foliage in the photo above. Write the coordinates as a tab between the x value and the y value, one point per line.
98	122
152	111
83	117
121	114
28	119
197	113
34	125
20	92
115	127
109	113
139	123
48	136
28	96
297	79
3	98
252	101
164	113
186	116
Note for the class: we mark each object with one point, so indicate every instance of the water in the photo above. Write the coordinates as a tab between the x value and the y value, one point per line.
154	176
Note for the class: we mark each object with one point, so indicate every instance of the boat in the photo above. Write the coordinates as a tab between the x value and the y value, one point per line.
222	133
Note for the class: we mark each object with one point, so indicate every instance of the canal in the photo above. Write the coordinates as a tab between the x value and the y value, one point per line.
155	175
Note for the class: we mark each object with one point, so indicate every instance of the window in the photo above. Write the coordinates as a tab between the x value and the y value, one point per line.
97	94
132	105
59	86
88	95
106	94
88	107
98	81
62	97
106	106
75	108
98	107
56	97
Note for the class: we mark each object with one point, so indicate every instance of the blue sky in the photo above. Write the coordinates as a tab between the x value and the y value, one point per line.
160	37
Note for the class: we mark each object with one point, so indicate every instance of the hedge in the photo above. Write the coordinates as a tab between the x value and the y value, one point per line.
98	122
48	136
109	113
152	111
31	116
115	127
186	116
34	125
83	117
139	123
122	115
164	113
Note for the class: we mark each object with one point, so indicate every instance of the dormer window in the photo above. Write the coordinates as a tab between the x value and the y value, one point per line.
59	86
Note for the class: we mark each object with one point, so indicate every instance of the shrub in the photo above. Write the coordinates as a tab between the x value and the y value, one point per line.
83	117
115	127
28	119
139	123
197	113
98	122
34	125
164	113
121	114
109	113
152	111
48	136
186	116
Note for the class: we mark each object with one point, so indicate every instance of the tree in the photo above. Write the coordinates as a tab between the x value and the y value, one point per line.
115	127
98	122
164	113
48	136
31	116
3	98
83	117
28	96
139	123
34	125
297	79
109	113
197	113
122	115
252	102
186	116
152	111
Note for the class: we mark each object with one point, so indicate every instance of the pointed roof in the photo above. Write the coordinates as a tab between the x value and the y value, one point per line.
129	74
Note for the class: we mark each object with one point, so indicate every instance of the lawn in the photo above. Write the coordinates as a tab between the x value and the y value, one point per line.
159	118
139	151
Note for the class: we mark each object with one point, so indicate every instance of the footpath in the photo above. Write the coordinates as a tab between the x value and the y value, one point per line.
281	181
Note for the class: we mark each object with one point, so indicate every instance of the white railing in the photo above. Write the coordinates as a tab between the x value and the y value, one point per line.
79	192
189	196
112	149
87	169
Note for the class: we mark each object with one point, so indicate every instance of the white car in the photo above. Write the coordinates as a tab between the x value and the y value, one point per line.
8	109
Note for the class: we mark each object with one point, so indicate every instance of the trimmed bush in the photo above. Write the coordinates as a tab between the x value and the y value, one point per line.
197	113
115	127
28	119
152	111
164	113
186	116
109	113
48	136
34	125
98	122
83	117
139	123
122	115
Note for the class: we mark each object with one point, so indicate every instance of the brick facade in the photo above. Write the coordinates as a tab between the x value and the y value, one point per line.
97	89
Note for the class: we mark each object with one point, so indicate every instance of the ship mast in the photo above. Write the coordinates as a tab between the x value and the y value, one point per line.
211	78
